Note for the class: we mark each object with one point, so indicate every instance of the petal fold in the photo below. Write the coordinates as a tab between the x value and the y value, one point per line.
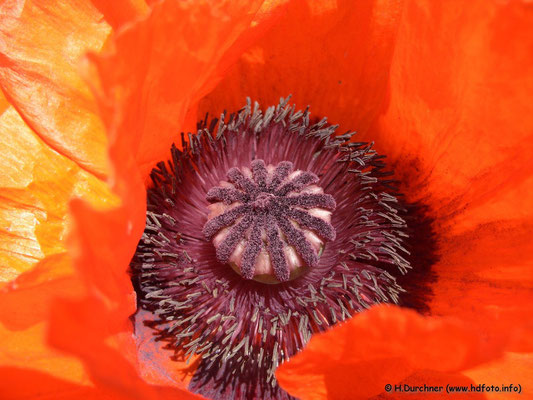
384	345
37	184
459	127
332	55
120	12
40	46
146	87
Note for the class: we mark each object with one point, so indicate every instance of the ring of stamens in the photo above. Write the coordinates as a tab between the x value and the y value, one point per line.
269	223
241	329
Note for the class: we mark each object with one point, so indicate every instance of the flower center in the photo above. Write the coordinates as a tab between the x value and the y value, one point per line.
269	223
263	202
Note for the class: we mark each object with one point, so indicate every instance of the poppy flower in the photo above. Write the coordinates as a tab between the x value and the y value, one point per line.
443	91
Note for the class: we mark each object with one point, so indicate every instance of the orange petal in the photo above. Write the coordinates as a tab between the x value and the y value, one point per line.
485	276
14	386
513	368
438	381
460	99
27	349
146	102
27	300
459	125
383	345
120	12
91	340
139	123
37	184
40	46
334	56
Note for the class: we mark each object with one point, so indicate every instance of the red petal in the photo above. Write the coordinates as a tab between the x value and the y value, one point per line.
26	348
513	368
151	99
383	345
459	123
485	277
439	381
21	384
105	348
156	364
334	56
120	12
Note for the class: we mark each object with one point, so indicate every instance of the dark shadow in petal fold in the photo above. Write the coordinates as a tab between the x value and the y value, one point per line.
422	245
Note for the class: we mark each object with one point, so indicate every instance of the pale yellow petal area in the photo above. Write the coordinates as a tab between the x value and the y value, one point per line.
36	185
41	43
